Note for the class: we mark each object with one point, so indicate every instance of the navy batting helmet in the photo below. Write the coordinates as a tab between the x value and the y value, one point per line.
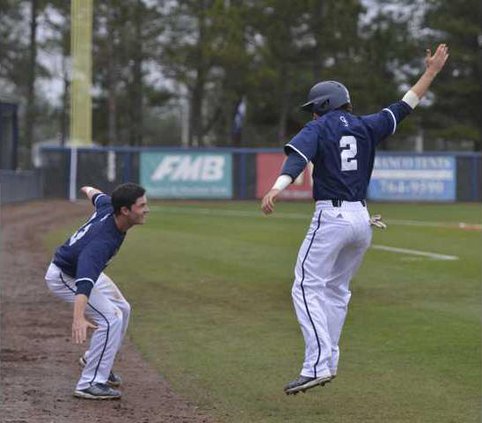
326	96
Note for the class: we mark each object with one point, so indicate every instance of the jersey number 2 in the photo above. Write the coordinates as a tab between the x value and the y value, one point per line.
348	161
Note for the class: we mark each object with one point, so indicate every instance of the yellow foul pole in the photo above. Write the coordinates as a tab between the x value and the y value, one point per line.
80	90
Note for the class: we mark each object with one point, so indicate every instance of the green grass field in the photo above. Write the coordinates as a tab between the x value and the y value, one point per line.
210	288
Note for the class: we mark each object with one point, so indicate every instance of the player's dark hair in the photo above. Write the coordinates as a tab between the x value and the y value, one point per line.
346	107
126	195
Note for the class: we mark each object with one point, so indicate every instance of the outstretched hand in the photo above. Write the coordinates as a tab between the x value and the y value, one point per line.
376	220
267	204
434	64
436	61
79	330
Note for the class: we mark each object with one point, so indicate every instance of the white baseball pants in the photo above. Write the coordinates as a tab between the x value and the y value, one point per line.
329	256
108	310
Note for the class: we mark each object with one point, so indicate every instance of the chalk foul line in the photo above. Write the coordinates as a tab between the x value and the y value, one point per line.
305	216
434	256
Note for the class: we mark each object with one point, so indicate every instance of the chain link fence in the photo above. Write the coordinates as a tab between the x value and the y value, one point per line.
105	168
18	186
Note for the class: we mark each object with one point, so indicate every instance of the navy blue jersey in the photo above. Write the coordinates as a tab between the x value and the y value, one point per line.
87	252
341	147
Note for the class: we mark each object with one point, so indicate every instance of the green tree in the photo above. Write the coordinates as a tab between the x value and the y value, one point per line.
389	59
299	44
196	54
280	40
456	119
125	39
57	23
12	46
20	67
396	39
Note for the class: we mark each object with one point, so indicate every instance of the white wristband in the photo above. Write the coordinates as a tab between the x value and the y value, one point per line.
282	182
411	99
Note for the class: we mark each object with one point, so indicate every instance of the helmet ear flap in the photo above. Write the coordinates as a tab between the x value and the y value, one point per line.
321	107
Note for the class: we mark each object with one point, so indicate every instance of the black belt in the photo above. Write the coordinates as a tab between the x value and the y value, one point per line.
338	203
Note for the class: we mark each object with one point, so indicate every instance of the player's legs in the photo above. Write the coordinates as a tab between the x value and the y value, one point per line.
57	286
317	255
104	314
107	286
109	289
337	294
336	298
105	340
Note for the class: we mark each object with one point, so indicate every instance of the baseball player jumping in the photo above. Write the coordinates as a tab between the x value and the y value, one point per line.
76	276
341	147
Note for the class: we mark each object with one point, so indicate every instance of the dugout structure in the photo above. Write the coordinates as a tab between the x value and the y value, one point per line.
8	135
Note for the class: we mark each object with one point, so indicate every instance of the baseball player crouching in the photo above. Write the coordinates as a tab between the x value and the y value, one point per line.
341	147
76	275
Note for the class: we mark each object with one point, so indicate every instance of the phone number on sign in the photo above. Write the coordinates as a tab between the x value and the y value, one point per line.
412	187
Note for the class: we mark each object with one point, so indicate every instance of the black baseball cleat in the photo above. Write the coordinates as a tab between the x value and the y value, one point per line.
304	382
98	391
114	379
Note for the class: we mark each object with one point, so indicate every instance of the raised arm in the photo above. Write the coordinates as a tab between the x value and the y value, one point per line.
433	65
90	191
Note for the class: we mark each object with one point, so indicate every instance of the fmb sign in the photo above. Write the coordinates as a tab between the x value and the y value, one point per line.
186	175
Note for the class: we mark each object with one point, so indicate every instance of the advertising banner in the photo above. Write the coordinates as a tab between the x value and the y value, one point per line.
186	175
268	166
413	178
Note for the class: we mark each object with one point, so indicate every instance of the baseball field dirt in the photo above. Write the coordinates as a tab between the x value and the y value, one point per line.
38	362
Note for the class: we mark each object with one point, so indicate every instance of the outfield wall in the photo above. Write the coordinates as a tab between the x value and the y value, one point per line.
243	174
16	186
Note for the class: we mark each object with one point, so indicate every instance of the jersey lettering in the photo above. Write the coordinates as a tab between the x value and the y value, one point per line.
79	234
348	161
